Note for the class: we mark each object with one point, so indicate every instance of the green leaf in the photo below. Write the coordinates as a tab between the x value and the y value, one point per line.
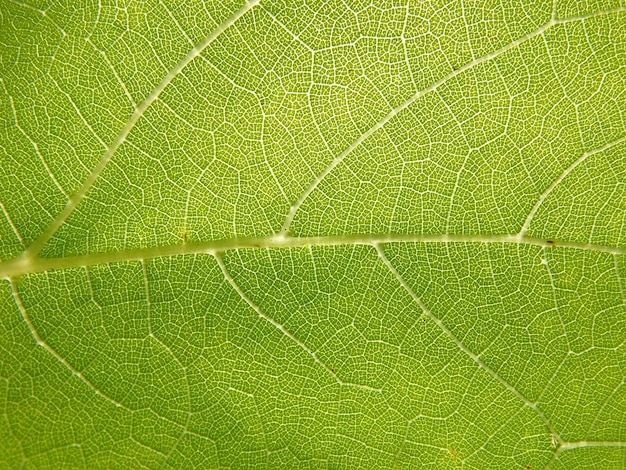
321	235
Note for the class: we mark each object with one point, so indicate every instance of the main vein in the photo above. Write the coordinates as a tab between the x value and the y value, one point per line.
29	265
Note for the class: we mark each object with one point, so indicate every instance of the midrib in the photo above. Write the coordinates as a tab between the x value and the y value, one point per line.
29	265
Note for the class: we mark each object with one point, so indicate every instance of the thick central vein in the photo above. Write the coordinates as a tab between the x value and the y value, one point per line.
22	265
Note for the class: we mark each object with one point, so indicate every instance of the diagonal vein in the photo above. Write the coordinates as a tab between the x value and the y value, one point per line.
395	111
57	356
77	197
12	225
564	175
41	342
284	330
31	141
474	357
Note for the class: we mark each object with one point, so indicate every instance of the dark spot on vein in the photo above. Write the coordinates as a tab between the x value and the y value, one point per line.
550	242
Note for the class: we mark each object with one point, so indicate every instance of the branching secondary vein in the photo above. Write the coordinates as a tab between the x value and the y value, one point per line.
77	197
283	330
397	110
562	176
464	348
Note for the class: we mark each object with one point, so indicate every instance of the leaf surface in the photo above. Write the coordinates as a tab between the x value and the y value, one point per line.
313	235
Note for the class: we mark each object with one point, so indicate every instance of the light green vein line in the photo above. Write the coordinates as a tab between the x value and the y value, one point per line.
31	141
564	175
395	111
77	197
57	356
465	349
565	446
284	330
579	444
20	266
12	224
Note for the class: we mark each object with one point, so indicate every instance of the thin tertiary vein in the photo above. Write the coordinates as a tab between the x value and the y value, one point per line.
284	330
474	357
77	197
12	225
20	266
397	110
31	141
57	356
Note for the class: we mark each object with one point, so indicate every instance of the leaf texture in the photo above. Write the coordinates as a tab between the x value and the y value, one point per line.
313	234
